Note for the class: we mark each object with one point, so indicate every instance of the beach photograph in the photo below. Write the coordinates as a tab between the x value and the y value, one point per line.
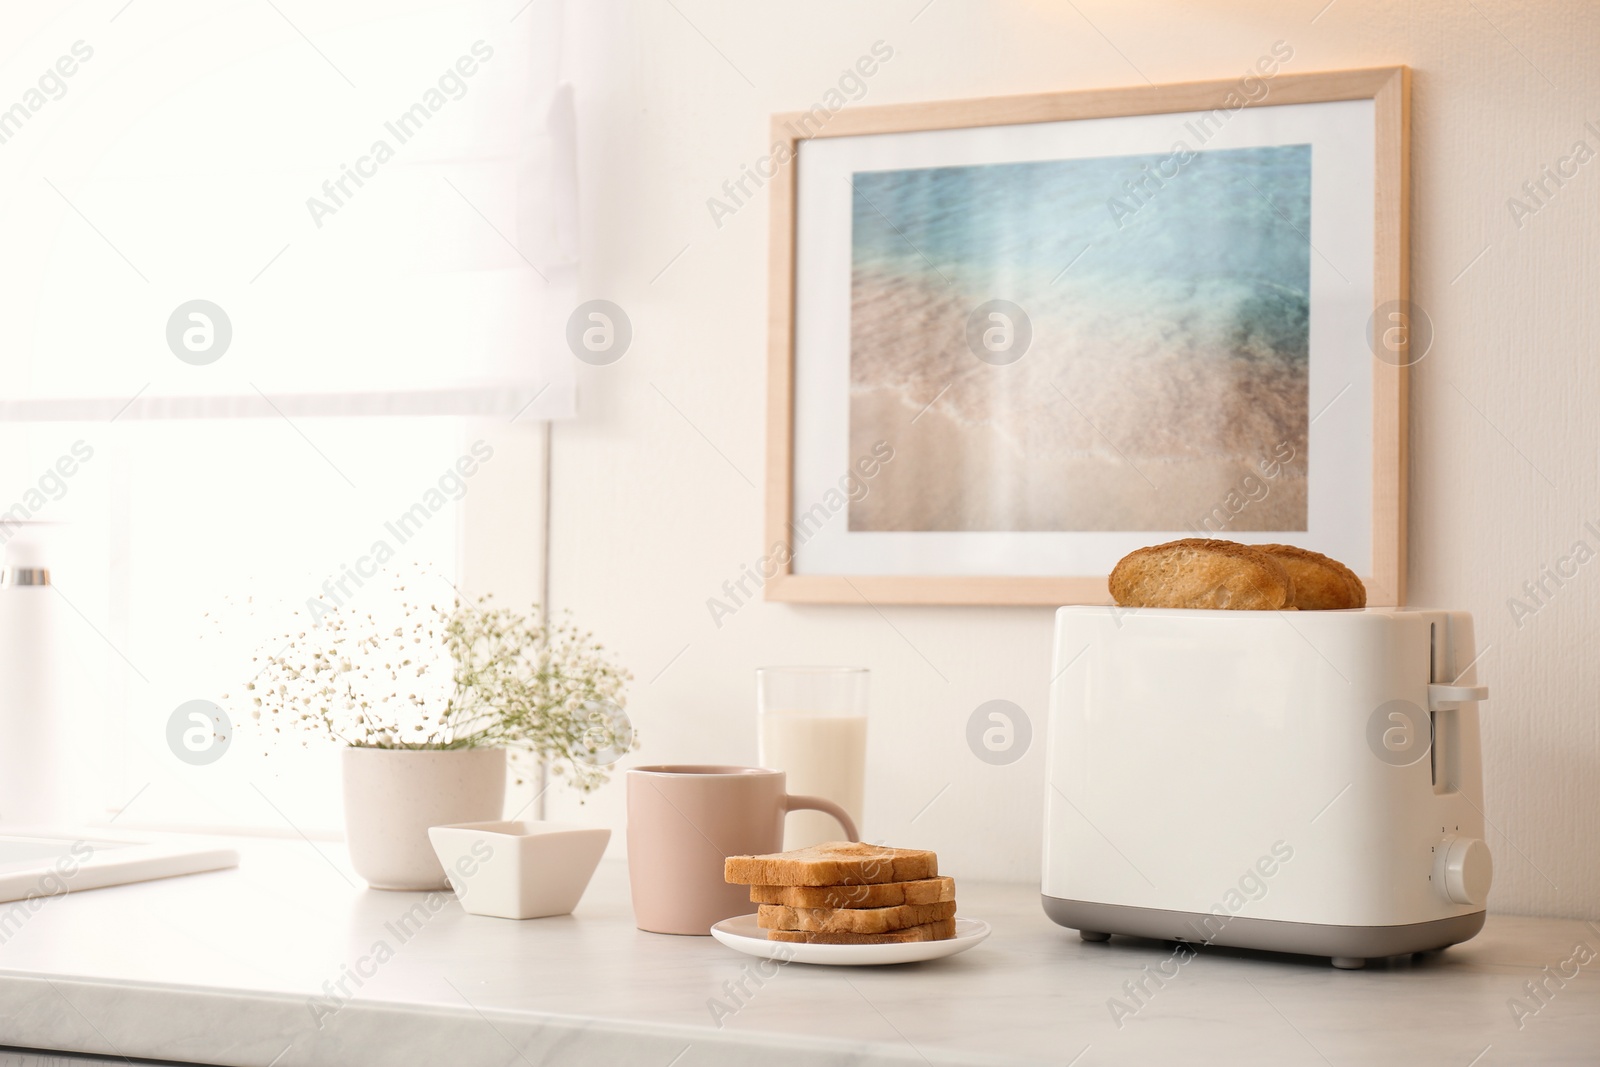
1145	367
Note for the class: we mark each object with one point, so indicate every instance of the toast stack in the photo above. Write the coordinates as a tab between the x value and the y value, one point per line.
848	893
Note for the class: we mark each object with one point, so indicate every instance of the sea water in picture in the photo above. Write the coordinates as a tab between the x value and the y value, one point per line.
1149	352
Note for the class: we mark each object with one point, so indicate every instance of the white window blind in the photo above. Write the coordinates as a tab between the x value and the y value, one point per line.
378	196
154	154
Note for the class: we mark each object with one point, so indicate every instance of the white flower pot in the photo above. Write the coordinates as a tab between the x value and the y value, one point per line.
392	796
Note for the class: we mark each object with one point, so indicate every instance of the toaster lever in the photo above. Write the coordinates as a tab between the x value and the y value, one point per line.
1453	694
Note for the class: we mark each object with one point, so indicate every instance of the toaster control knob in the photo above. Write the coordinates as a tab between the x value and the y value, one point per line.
1467	868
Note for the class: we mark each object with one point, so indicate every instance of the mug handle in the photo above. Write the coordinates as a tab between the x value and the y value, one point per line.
797	802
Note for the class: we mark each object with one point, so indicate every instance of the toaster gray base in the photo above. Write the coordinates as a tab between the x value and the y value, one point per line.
1273	935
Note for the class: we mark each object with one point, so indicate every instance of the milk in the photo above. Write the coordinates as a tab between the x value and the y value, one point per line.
823	755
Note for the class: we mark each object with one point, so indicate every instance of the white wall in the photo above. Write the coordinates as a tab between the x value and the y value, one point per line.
653	508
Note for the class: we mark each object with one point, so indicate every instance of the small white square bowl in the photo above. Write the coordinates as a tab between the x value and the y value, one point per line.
519	870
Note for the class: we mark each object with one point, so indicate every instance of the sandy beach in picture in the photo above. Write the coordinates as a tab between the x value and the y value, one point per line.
1168	362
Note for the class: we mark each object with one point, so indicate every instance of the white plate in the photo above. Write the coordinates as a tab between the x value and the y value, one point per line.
742	933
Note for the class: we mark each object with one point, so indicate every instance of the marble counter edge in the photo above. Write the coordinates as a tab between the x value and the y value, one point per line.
246	1028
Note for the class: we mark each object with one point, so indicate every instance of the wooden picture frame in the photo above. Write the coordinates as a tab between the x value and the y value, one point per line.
1386	87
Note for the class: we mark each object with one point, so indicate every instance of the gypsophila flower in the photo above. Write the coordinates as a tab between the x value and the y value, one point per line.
502	679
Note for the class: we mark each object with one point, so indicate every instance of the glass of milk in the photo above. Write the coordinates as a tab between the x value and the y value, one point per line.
814	728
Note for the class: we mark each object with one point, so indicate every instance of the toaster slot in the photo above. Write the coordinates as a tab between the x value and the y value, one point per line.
1443	760
1446	694
1438	669
1432	746
1446	750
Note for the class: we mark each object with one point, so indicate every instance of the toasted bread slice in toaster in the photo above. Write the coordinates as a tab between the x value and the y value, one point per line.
1320	582
1197	572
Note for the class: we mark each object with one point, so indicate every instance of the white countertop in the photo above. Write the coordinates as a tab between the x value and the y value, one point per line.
220	968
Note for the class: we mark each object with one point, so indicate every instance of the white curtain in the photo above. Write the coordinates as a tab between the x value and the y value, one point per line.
378	195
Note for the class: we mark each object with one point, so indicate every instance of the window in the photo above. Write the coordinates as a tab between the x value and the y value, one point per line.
271	288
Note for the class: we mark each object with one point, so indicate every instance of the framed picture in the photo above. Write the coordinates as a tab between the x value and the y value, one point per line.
1013	339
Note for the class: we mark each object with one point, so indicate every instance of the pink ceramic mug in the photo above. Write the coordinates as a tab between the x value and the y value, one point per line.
683	821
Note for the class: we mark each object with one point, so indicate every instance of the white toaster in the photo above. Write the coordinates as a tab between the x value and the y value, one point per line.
1302	782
